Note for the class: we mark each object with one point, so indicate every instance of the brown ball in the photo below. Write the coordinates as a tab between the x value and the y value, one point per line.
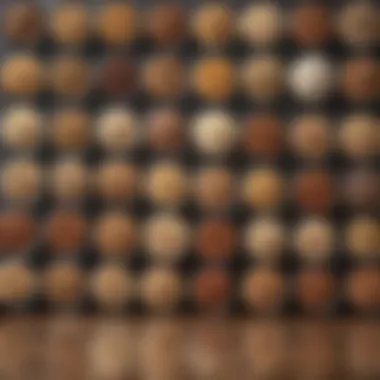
166	24
65	231
22	23
311	24
17	231
263	136
360	79
216	239
314	191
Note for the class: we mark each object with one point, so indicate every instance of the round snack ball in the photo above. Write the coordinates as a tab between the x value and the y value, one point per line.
216	239
117	77
111	286
167	237
214	188
166	184
310	136
69	180
358	24
116	181
263	78
315	289
117	129
265	238
312	24
166	24
21	128
117	24
363	288
314	191
69	24
261	24
21	75
17	283
263	189
362	237
22	23
161	289
21	180
163	77
71	129
263	290
314	239
311	78
115	234
17	231
165	130
360	136
65	231
214	132
213	79
213	24
63	283
360	79
70	76
212	288
263	136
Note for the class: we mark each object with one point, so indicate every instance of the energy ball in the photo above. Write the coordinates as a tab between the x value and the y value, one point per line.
161	289
358	24
115	234
360	79
166	25
265	239
116	129
310	136
314	239
263	189
21	128
214	188
263	78
166	184
362	237
21	181
311	78
163	77
263	290
261	24
65	231
165	130
360	136
70	76
17	231
263	136
213	79
213	24
111	286
214	132
312	24
116	181
71	129
117	24
69	24
22	75
63	283
167	237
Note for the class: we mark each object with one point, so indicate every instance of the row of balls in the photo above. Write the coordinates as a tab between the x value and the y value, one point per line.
311	78
262	289
168	237
168	184
213	133
212	25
